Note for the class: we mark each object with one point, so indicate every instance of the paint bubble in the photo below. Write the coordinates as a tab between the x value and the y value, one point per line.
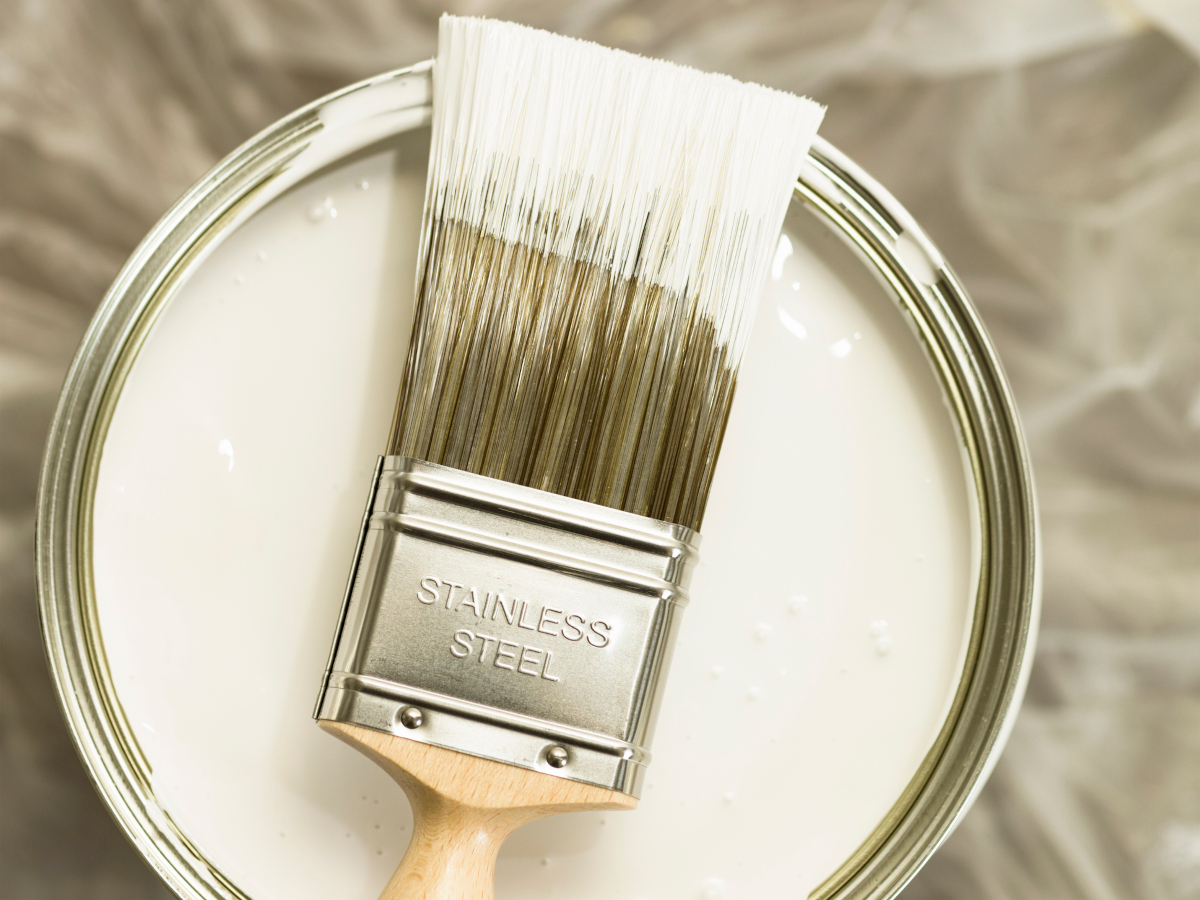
319	211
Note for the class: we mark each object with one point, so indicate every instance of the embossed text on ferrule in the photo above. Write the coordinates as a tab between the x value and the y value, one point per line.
494	607
524	659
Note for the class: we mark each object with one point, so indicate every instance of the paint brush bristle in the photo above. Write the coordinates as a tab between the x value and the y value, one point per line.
596	229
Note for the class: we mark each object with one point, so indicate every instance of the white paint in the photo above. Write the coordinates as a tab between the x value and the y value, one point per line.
791	324
218	587
225	448
840	349
782	251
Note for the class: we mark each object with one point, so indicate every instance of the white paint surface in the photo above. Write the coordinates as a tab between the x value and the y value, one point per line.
786	733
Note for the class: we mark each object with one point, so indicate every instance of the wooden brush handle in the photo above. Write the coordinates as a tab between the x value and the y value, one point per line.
463	809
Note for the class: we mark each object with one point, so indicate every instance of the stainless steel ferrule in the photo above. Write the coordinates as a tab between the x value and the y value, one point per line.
509	623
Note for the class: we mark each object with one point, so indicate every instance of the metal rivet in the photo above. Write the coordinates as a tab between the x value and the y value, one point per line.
411	717
557	757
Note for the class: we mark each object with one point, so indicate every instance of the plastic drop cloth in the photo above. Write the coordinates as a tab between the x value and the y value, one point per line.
1051	148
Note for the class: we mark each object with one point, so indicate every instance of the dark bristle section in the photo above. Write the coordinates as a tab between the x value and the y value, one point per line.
552	373
596	228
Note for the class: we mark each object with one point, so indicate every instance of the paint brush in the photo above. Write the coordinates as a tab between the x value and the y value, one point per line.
596	228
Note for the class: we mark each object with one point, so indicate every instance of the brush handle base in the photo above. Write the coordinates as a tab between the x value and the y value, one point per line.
464	807
452	854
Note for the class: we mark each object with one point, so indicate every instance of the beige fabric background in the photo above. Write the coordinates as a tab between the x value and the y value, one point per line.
1052	149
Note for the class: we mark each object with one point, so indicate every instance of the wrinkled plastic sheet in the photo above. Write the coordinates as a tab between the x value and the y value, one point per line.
1051	148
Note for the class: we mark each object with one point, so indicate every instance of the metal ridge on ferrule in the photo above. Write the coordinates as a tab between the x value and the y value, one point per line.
509	623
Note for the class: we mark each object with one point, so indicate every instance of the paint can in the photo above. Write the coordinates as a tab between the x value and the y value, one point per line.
860	631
